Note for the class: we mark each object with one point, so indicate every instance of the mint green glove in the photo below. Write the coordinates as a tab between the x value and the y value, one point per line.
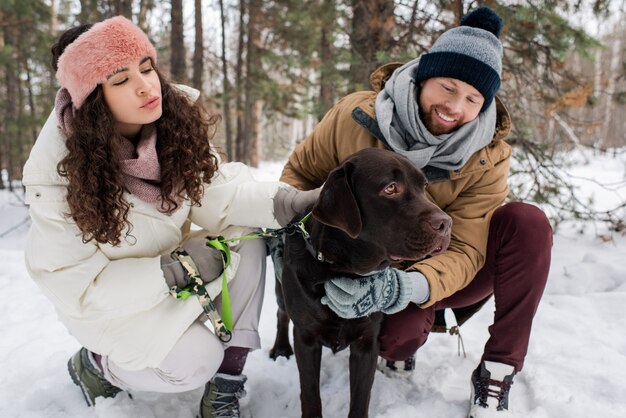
389	291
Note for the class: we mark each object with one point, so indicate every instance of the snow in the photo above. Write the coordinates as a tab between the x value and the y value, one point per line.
575	368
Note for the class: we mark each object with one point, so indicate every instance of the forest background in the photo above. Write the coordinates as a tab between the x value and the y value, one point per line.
273	68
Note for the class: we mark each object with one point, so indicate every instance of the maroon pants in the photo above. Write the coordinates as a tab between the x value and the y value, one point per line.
515	272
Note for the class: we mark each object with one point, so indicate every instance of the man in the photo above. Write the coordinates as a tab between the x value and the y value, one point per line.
440	111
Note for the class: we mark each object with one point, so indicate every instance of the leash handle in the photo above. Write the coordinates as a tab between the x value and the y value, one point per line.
196	287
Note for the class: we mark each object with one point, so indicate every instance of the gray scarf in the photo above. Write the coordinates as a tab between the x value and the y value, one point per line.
397	112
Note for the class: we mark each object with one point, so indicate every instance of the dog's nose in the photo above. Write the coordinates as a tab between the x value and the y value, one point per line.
440	222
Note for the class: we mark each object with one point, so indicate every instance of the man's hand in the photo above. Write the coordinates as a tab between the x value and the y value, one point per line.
208	260
388	291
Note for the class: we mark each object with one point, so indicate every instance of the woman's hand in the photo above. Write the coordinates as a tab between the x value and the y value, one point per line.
208	260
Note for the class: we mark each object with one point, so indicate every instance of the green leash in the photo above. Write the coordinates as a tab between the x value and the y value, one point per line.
223	324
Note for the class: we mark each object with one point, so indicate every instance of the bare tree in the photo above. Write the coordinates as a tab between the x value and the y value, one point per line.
327	90
239	143
3	135
252	114
11	116
54	9
226	95
177	43
142	17
457	9
614	70
198	52
31	102
124	8
89	12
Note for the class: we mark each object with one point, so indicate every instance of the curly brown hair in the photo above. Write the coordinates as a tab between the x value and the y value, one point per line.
95	193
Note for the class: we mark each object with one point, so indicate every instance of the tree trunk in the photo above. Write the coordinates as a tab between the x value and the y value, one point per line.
54	10
89	12
124	8
3	135
327	89
616	63
12	98
142	17
226	96
17	157
31	104
457	9
239	143
177	43
198	52
253	69
254	143
372	24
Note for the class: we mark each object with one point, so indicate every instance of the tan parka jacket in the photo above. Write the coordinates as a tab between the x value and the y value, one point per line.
469	195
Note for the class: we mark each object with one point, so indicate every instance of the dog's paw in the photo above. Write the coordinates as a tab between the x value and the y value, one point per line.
278	351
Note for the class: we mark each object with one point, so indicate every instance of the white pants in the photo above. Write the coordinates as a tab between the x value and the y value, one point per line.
198	354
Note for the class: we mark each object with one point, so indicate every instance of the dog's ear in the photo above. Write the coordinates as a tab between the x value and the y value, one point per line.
337	205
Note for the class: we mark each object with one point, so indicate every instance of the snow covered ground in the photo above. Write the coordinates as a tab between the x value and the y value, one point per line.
575	368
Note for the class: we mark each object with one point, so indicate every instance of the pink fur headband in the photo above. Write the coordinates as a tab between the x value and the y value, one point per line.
95	54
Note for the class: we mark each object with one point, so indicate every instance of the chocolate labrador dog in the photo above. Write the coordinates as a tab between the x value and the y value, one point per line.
372	212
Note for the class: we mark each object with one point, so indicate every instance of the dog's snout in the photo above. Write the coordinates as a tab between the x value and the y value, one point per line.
440	222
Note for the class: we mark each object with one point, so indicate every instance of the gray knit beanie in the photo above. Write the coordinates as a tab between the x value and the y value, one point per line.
471	53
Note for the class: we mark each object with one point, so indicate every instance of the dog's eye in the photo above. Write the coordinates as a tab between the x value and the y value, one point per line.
425	184
392	188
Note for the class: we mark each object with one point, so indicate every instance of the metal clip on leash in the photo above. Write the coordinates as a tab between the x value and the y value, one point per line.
197	287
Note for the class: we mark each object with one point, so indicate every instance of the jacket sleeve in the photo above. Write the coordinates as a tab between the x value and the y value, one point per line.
451	271
234	198
78	277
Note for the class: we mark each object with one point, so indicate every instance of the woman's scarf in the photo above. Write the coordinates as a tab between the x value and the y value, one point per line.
397	112
64	110
139	164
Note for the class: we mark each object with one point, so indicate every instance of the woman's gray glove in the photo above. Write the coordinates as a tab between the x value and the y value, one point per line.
389	290
208	260
289	202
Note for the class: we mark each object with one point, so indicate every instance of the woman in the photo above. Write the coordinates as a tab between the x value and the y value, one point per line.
119	172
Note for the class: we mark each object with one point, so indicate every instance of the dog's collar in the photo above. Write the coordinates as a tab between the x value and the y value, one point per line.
300	228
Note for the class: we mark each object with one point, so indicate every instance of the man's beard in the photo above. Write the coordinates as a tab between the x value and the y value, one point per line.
433	127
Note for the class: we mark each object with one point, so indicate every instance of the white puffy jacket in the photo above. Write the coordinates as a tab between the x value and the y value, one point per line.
114	300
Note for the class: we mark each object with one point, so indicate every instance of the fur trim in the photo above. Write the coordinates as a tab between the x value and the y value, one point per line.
95	54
